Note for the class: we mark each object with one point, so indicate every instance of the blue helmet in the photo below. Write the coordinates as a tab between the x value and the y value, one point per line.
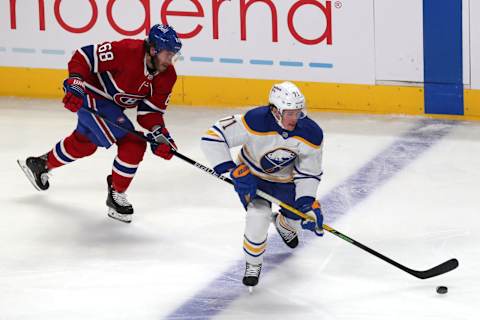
163	37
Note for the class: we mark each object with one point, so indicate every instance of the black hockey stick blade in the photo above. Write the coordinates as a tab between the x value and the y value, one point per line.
433	272
442	268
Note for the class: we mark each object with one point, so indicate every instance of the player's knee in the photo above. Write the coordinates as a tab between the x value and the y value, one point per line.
258	220
257	235
258	215
132	147
81	145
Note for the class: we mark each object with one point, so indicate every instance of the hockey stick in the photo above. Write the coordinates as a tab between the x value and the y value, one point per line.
425	274
433	272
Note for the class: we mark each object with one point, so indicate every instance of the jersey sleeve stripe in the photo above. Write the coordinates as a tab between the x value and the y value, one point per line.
311	177
213	140
95	59
97	90
145	107
90	55
109	84
112	81
103	86
216	129
88	58
152	106
143	113
212	133
306	175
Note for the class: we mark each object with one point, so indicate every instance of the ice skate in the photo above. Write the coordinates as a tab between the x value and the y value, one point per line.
35	168
287	233
252	273
118	206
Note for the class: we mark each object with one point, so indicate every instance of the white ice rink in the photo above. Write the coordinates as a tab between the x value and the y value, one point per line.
407	187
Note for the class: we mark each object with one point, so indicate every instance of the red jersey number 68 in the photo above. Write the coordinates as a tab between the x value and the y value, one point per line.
105	52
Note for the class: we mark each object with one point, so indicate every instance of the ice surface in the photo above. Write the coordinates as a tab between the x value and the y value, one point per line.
404	186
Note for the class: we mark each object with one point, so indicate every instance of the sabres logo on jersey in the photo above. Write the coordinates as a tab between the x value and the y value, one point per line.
276	160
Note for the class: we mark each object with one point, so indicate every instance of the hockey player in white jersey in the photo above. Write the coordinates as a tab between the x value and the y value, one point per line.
281	154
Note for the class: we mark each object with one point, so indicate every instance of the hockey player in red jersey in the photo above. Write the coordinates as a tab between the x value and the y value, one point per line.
108	78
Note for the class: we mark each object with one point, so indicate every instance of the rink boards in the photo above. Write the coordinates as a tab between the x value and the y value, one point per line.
398	57
221	92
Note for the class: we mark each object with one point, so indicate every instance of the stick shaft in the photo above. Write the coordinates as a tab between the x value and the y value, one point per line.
435	271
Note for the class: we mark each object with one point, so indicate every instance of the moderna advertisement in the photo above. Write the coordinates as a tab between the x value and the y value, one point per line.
307	40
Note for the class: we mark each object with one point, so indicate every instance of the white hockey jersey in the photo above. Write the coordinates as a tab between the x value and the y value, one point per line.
271	153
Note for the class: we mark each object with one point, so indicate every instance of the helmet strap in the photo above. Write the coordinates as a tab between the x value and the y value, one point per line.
277	115
154	64
149	58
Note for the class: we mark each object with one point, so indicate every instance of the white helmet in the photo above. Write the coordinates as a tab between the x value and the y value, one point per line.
287	96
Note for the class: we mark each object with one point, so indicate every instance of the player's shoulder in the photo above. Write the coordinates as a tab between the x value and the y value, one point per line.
170	72
166	79
128	49
259	120
309	131
129	44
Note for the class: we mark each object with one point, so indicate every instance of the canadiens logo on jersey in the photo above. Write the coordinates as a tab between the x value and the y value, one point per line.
127	100
276	160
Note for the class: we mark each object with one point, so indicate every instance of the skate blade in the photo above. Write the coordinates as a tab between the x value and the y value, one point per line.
127	218
250	290
28	173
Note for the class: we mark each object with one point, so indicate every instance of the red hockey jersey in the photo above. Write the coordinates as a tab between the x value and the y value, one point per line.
118	71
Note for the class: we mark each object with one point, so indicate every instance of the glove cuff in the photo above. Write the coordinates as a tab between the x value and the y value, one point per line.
75	75
224	167
304	202
242	170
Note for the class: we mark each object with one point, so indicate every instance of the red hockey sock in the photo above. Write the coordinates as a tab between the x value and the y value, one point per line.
130	153
73	147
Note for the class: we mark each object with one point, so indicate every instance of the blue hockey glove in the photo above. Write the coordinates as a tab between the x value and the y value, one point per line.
74	92
164	143
311	208
224	167
245	183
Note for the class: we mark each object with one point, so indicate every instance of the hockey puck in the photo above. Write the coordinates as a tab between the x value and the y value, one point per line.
442	290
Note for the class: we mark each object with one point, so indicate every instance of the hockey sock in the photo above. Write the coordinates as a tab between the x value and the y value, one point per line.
73	147
130	153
